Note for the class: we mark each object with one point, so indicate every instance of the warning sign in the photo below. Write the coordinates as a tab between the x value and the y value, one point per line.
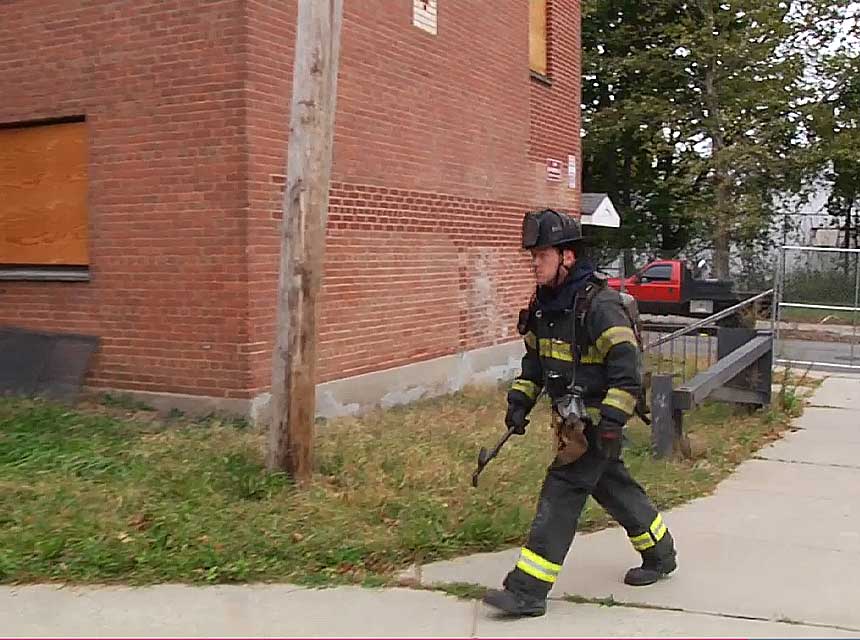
553	170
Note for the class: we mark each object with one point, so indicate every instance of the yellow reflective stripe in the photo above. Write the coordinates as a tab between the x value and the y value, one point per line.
541	562
613	336
620	399
527	387
651	537
526	567
642	542
592	356
558	349
530	340
537	567
658	528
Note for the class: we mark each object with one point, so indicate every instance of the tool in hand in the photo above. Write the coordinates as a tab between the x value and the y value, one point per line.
485	456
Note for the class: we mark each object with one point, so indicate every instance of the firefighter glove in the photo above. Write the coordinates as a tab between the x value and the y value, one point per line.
516	418
609	437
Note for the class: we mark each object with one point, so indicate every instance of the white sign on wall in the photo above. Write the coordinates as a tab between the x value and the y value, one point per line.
553	170
424	15
571	172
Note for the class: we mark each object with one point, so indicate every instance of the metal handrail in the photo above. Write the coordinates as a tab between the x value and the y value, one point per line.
725	313
820	307
792	247
813	363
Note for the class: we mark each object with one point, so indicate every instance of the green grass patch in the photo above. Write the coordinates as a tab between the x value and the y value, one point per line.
89	496
123	401
819	316
462	590
608	601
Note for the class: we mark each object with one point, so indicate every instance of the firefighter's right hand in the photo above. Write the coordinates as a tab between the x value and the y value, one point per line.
610	438
515	418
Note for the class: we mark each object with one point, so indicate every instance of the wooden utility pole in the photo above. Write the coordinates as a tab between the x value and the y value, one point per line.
305	211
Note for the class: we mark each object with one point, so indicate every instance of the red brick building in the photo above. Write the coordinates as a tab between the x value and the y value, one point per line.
142	151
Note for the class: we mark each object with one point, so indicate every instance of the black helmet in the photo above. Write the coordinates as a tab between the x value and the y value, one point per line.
550	228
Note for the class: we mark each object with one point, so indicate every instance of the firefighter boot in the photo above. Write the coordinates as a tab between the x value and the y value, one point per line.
515	604
657	562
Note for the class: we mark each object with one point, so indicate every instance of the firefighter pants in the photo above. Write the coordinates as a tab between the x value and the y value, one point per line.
563	495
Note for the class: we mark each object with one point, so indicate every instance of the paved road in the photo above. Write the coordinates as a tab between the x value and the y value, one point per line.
827	356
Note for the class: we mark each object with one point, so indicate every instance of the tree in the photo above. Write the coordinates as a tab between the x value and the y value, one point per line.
836	128
627	78
692	113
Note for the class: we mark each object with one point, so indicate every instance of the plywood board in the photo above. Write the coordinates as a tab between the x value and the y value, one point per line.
43	195
537	36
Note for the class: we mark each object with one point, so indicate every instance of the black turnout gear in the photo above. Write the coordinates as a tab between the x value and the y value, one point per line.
581	331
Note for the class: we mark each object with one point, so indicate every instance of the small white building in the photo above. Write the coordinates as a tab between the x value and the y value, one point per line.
598	211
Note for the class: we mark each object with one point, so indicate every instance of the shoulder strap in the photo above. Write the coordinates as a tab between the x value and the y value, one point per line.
628	303
594	287
526	315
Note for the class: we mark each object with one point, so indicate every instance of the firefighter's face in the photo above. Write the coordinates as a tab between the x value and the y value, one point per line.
546	262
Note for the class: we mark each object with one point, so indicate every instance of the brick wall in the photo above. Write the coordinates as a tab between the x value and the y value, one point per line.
271	39
554	107
413	275
160	83
441	143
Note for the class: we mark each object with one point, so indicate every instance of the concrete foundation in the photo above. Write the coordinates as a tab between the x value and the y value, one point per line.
357	394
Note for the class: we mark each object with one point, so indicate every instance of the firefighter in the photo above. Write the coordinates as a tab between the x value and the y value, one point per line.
581	350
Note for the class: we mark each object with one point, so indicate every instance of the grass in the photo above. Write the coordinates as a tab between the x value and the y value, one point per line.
98	494
681	369
124	401
608	601
462	590
818	316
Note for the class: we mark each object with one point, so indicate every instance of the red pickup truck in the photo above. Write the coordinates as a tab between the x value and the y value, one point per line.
667	287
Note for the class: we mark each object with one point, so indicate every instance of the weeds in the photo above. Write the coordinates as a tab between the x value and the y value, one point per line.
88	497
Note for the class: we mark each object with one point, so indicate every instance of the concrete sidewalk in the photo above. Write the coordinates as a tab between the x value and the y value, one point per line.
775	552
283	611
779	539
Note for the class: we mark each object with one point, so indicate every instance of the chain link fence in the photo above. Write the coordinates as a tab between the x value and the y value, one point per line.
816	309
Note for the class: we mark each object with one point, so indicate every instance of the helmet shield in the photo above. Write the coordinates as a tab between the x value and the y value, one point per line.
531	230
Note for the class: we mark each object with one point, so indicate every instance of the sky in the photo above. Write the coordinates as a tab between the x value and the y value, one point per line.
850	33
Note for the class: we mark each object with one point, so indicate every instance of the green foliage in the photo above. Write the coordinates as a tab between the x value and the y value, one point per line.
835	127
821	286
693	115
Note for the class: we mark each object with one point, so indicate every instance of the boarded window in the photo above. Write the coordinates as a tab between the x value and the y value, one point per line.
537	36
43	195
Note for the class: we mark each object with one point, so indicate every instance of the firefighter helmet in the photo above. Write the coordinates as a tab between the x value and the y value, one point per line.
549	228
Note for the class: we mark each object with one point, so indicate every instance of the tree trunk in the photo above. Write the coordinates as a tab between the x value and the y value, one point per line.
721	255
722	192
629	265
